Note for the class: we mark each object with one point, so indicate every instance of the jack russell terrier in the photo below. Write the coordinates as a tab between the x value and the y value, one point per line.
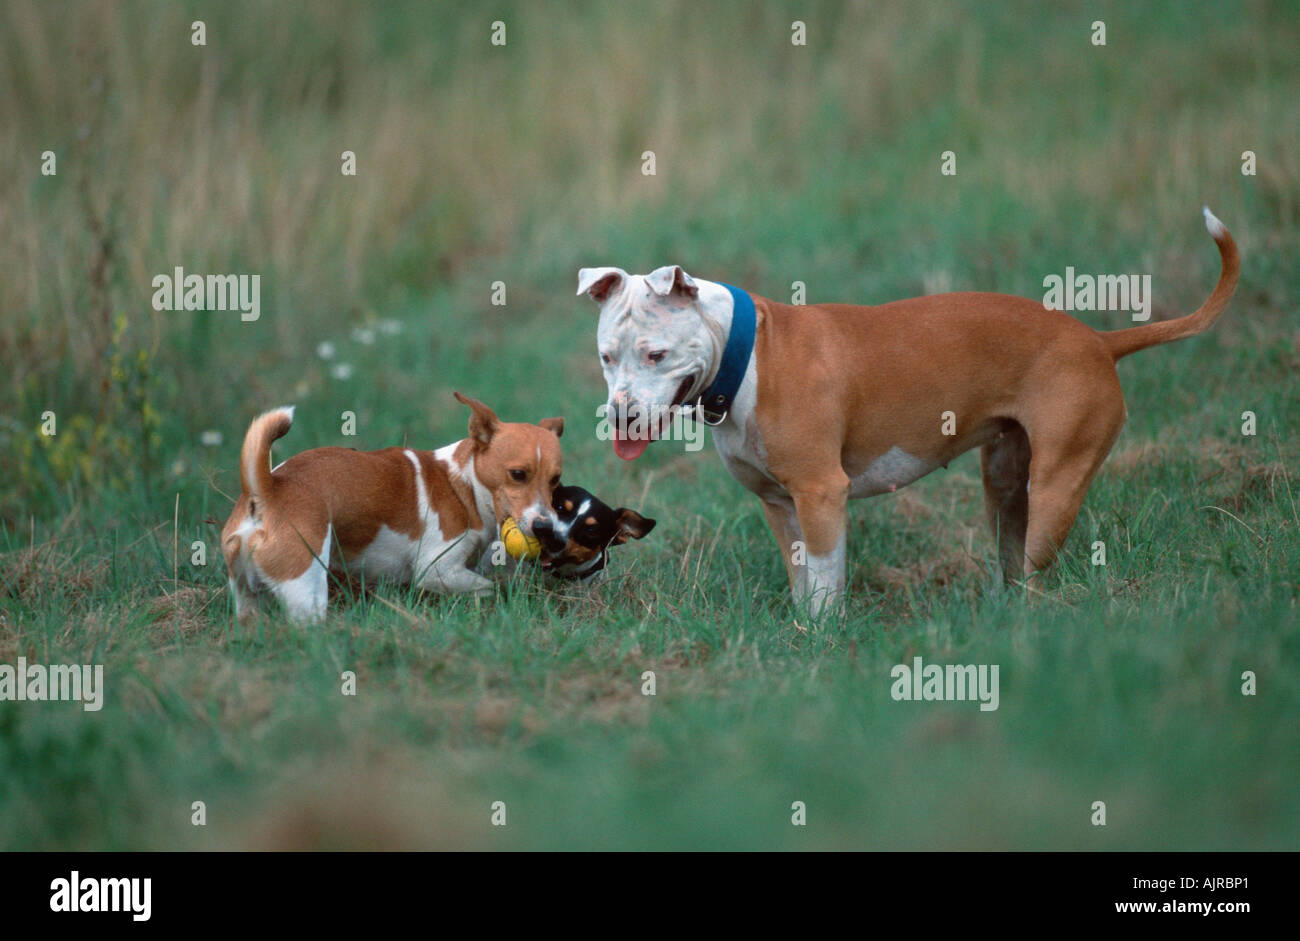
577	545
421	517
814	405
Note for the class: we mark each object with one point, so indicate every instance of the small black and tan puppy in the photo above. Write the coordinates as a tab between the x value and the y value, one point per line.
577	545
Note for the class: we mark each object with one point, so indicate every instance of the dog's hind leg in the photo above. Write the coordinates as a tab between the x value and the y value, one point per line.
306	596
1004	465
1065	456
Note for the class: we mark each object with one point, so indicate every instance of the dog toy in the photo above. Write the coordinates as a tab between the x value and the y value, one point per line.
519	544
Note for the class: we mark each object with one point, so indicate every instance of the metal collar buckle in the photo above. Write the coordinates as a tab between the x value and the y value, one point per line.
705	414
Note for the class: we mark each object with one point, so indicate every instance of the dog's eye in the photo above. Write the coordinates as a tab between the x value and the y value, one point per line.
555	481
605	358
657	356
519	475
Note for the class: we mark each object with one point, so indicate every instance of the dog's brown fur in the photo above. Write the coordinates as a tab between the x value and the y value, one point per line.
1034	389
279	525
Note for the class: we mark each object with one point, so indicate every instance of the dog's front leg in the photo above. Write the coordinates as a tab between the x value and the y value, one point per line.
448	570
247	602
463	580
784	522
822	510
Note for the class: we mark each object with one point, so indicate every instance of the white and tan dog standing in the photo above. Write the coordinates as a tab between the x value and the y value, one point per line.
839	401
421	517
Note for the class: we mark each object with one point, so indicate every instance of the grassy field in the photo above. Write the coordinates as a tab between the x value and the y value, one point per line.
775	163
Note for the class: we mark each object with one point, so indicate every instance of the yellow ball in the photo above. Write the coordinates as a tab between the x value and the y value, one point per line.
519	544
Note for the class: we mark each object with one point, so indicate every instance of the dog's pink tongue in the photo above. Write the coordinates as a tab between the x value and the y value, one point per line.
629	449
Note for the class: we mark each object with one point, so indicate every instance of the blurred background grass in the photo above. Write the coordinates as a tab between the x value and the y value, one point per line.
775	163
521	163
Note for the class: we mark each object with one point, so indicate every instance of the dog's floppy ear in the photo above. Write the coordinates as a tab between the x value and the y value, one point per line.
553	425
483	422
632	525
672	278
600	283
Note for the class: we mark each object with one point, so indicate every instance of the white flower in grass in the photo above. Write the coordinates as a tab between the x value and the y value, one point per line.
390	327
325	349
363	335
936	282
211	438
341	371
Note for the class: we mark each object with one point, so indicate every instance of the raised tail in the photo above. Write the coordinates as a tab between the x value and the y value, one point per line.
1123	342
255	456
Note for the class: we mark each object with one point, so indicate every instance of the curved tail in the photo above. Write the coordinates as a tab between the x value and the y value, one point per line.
1123	342
255	456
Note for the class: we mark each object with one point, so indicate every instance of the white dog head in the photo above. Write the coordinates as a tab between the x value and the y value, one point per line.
659	341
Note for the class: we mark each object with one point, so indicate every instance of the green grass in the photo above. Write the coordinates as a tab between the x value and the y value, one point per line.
775	164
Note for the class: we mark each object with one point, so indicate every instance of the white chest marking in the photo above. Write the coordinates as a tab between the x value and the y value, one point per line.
740	444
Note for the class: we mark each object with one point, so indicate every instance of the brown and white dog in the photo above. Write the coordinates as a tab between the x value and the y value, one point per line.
421	517
839	401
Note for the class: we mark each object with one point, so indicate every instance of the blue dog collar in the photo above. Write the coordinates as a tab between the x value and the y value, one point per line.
715	401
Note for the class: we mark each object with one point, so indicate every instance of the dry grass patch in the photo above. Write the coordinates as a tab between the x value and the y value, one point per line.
32	573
